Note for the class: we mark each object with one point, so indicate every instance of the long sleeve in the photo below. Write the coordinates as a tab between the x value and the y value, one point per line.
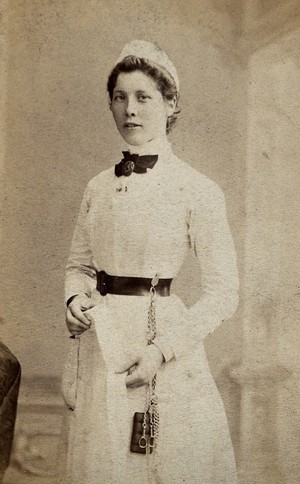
80	273
212	242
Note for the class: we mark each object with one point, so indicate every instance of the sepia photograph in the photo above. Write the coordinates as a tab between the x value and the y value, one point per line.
149	228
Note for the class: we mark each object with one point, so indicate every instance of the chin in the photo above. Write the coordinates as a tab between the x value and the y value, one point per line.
134	140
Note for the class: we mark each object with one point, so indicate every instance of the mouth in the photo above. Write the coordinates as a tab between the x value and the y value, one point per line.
129	125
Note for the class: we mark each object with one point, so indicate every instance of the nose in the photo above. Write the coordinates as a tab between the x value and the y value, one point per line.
131	108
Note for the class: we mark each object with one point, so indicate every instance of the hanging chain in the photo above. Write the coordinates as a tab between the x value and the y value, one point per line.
151	415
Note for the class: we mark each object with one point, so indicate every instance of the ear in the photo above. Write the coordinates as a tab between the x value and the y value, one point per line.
170	106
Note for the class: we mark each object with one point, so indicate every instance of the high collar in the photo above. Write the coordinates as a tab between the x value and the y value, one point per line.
158	146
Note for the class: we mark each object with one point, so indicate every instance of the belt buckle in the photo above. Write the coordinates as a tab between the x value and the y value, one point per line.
103	283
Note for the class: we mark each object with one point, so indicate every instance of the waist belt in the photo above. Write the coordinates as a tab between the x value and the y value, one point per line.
130	286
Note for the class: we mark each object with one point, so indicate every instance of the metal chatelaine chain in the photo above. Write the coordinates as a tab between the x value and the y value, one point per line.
151	411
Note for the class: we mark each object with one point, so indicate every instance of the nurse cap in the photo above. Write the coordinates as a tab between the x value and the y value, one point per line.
151	53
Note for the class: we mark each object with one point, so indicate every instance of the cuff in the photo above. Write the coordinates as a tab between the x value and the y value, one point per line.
70	299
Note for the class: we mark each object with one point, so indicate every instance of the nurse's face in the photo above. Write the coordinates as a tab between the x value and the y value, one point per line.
139	109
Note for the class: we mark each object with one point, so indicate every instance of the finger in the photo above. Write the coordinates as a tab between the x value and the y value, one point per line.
136	379
136	384
75	330
128	365
78	315
87	305
72	321
132	369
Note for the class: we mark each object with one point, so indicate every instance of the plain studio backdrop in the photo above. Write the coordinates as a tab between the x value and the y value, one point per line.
238	65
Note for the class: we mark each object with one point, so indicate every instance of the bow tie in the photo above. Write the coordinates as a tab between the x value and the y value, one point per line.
133	162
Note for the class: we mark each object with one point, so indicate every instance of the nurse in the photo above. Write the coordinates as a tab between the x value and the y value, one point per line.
145	407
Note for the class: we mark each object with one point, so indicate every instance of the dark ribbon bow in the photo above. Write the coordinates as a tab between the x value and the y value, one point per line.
133	162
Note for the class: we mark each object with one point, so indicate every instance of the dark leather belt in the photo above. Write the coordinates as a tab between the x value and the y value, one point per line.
130	286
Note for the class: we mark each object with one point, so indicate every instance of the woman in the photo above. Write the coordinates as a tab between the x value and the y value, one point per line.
140	351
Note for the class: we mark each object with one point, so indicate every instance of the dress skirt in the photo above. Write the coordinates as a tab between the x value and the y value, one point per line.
194	444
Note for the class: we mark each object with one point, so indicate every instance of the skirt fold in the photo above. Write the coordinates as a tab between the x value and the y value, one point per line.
194	444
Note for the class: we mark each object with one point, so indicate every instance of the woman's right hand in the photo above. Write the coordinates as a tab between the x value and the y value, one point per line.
76	320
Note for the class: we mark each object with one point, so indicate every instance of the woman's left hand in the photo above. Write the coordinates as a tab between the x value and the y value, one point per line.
142	369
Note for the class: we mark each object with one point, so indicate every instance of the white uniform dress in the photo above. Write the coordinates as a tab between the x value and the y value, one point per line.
142	226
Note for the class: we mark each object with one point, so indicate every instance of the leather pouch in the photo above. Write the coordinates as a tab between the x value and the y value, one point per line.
137	445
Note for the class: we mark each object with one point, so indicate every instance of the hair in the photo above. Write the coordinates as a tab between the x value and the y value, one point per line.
162	78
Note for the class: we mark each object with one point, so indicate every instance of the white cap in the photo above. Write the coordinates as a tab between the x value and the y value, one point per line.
152	53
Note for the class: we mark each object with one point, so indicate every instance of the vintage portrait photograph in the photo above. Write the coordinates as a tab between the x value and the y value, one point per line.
149	204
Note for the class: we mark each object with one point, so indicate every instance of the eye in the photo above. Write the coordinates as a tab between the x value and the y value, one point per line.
119	97
142	97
